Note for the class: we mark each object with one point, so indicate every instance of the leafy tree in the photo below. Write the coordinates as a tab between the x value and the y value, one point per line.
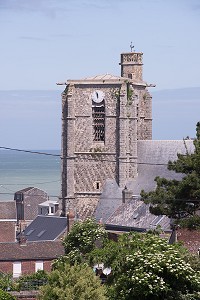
178	199
145	267
76	282
6	282
6	296
82	239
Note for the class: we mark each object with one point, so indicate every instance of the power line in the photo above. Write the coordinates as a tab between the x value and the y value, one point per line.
29	151
82	158
45	182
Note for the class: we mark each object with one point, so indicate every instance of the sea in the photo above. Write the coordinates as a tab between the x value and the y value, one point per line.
19	170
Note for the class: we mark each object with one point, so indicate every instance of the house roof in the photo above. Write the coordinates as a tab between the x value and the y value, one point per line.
30	251
190	239
32	198
7	210
46	228
7	230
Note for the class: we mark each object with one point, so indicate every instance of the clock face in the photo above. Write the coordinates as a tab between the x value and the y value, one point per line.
97	96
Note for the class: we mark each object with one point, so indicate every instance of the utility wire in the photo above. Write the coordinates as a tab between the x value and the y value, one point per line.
88	158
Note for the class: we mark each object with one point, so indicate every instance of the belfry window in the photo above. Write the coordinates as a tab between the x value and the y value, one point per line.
98	116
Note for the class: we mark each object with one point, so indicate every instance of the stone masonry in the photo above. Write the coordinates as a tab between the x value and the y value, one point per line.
102	119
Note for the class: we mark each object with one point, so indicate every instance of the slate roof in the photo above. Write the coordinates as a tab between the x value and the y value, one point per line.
46	228
7	210
30	251
136	214
153	156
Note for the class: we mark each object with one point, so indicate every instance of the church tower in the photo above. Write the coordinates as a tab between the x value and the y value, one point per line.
102	119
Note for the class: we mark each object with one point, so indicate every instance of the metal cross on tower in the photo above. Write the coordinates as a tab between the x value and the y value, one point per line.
131	46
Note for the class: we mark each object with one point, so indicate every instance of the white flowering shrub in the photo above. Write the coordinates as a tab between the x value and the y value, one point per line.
145	267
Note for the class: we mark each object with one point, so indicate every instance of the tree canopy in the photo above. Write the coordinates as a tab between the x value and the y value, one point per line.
178	199
144	266
77	282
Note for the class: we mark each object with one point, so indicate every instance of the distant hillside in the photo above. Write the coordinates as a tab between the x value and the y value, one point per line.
32	119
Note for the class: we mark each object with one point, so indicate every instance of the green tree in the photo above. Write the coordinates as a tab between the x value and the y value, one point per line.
76	282
178	199
82	239
145	267
6	296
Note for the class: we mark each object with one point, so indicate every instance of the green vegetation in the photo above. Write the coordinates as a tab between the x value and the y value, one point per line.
144	267
6	296
179	199
77	282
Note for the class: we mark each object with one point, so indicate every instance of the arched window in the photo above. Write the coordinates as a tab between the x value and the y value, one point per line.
98	116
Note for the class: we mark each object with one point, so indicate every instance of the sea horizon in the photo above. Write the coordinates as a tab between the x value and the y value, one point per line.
19	170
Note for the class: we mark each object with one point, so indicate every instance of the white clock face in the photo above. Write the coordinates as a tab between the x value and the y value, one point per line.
97	96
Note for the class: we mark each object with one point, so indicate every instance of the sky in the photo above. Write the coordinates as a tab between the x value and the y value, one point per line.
48	41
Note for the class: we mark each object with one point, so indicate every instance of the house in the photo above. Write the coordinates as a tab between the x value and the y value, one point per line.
27	201
21	258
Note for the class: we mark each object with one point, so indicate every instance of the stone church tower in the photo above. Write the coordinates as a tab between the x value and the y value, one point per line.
102	119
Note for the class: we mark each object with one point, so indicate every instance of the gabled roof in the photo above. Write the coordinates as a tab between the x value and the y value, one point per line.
153	157
29	190
30	251
46	228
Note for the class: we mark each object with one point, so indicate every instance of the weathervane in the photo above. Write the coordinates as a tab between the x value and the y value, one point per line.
131	46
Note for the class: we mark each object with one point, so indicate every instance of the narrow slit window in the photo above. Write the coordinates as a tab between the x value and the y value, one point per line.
98	115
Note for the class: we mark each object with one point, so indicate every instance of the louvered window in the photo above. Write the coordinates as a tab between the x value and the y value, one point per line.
98	115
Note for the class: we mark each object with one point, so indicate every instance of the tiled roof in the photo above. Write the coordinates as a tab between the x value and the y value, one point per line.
46	228
7	231
30	251
190	239
7	210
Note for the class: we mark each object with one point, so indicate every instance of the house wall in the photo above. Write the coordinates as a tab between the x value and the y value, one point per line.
27	266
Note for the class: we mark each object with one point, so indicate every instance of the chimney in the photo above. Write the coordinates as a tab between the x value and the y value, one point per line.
22	239
126	195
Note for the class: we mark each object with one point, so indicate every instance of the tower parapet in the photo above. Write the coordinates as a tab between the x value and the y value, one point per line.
131	65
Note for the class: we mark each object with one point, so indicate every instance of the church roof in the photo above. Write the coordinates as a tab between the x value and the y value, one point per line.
105	79
153	156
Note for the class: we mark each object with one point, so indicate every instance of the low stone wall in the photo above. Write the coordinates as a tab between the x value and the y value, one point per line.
25	295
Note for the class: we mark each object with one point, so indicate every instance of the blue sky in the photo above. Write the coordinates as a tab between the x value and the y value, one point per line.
49	41
45	41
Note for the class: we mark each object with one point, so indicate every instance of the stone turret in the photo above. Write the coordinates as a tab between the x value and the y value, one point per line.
131	65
